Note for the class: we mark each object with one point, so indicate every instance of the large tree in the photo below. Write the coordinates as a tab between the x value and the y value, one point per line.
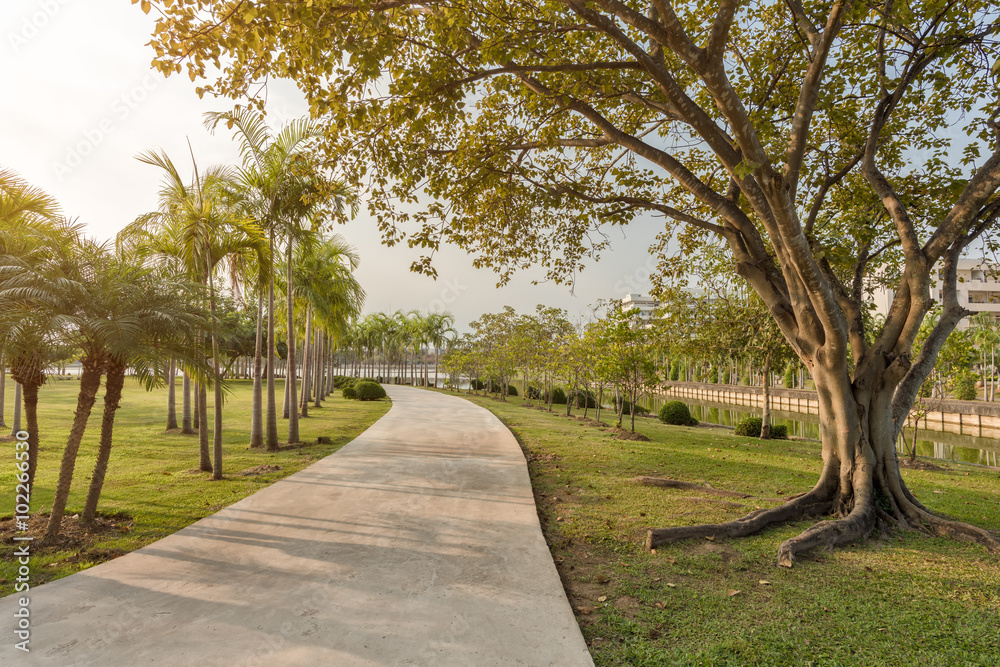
825	142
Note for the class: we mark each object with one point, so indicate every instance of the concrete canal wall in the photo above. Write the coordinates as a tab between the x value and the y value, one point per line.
972	418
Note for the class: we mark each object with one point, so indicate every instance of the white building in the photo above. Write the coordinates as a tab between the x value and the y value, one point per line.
978	290
647	306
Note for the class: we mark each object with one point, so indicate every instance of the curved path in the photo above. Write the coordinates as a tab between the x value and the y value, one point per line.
415	544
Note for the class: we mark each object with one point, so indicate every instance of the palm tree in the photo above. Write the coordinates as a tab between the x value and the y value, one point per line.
323	280
439	325
147	317
35	254
200	225
272	189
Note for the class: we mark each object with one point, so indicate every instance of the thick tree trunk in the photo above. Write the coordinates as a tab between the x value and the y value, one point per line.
90	382
256	410
112	399
186	423
171	395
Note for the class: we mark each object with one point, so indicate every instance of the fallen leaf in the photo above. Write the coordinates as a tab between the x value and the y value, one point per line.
731	592
659	605
710	538
764	582
653	551
672	585
584	610
672	561
603	598
602	579
656	578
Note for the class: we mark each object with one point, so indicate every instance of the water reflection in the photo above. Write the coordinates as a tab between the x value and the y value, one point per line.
930	443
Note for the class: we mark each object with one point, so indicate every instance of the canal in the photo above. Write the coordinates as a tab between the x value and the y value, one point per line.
931	443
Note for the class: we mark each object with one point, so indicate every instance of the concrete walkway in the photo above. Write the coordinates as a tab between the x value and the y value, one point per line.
415	544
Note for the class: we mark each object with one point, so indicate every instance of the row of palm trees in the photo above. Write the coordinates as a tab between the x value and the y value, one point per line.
398	345
151	303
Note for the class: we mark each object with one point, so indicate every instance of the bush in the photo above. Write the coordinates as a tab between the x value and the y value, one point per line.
725	377
369	391
511	390
749	427
677	414
713	375
963	385
534	394
340	381
789	379
477	385
349	392
558	396
675	370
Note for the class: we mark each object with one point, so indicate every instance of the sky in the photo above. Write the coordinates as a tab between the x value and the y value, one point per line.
80	101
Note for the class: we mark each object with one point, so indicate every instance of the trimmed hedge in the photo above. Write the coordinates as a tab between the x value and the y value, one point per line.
369	391
677	414
558	396
750	427
349	392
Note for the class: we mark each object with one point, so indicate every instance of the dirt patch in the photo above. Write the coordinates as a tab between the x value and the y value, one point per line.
541	456
629	435
708	548
74	535
258	470
920	465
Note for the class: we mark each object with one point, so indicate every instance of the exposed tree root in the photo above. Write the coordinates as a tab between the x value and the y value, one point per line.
810	504
856	526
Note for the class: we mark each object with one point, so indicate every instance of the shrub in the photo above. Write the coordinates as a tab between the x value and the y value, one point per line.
677	414
349	392
477	385
963	385
789	379
675	370
725	377
779	431
749	427
340	381
558	396
511	390
713	375
534	394
369	391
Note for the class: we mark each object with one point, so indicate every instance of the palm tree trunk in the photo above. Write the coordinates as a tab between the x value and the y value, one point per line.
112	399
293	413
3	390
90	382
171	395
256	417
186	427
272	409
217	424
318	368
205	463
307	352
16	423
196	421
765	421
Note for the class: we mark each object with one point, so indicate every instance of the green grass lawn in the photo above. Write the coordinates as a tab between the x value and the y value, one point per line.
153	480
898	599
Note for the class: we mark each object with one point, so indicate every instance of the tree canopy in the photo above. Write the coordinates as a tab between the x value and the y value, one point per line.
826	143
